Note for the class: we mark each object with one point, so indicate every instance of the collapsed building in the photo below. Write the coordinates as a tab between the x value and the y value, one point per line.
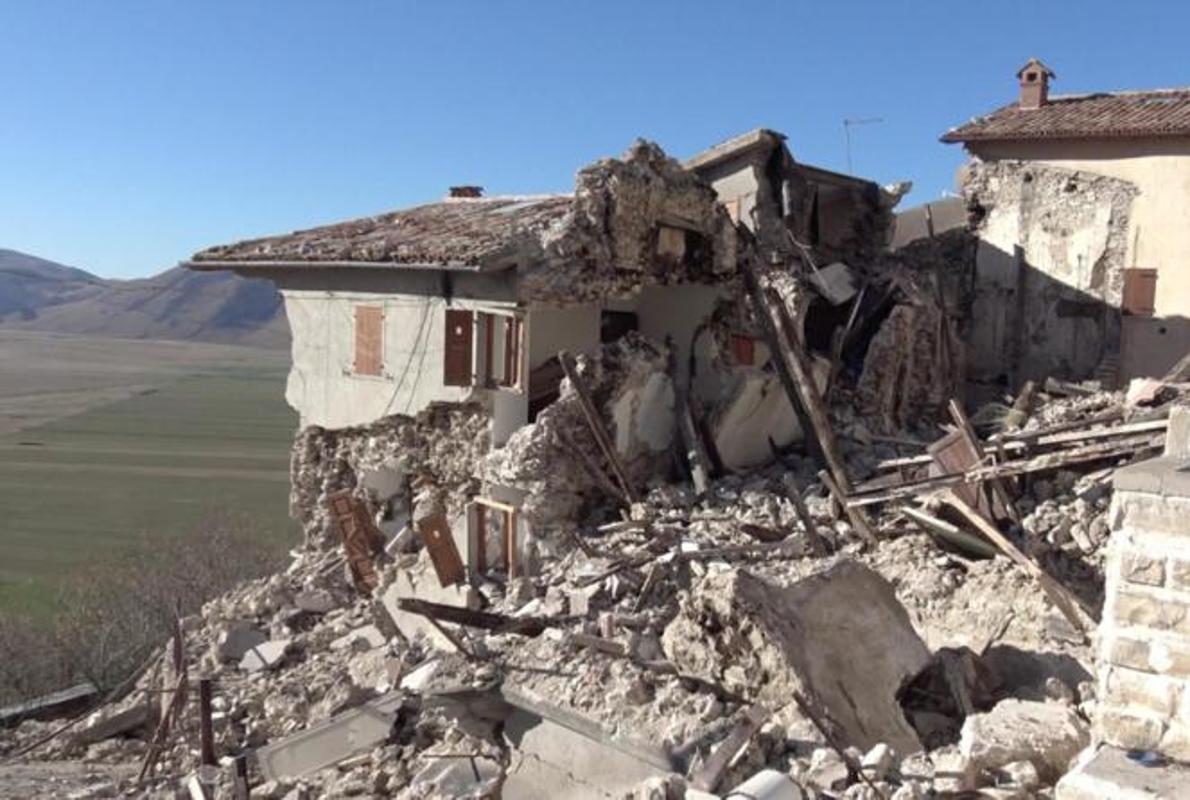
666	488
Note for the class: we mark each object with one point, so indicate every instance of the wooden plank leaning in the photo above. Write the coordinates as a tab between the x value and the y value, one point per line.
598	430
1061	597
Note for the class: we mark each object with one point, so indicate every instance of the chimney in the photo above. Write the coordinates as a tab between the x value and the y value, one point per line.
466	191
1035	84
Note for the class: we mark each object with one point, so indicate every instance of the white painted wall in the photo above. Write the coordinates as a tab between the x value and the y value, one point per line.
322	387
554	328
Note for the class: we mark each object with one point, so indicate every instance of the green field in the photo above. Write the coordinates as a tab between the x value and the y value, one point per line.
195	446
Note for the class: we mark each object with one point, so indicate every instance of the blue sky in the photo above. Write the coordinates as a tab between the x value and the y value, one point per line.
134	133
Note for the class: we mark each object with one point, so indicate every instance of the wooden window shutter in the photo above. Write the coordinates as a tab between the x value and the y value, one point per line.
1140	291
456	369
369	340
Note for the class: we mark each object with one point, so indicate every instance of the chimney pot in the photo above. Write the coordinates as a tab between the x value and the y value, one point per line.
1034	78
466	191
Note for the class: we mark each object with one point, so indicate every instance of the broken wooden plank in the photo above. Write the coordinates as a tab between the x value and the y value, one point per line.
693	447
498	623
1061	597
598	430
859	520
206	731
708	776
1018	446
813	535
177	700
1001	499
1039	463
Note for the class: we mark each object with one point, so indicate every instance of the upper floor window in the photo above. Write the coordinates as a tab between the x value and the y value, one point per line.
369	340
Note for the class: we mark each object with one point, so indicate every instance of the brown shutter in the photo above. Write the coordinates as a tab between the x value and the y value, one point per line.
456	371
434	533
369	340
1140	291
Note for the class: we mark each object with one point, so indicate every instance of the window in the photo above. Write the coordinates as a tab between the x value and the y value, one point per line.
369	340
493	537
484	349
500	362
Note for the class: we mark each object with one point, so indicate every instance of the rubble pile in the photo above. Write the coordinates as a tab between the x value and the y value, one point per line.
381	460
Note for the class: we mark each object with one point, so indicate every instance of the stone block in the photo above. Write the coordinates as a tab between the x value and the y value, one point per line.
1131	689
1179	574
1140	568
1159	612
1175	742
237	638
1048	735
1177	435
1108	774
362	639
839	635
1130	731
1163	510
265	655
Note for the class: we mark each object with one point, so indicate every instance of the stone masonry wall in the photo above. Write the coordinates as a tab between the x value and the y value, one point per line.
1144	638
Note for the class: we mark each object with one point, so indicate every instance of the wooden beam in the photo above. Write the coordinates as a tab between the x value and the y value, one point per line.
813	535
708	776
1039	463
951	534
499	623
1061	597
598	430
999	490
859	520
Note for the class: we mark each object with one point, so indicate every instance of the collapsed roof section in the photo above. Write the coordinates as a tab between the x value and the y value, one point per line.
637	220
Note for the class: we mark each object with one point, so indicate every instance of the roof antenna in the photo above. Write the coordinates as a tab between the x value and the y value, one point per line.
848	124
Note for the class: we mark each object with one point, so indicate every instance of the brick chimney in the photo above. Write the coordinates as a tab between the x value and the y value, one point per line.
466	191
1035	84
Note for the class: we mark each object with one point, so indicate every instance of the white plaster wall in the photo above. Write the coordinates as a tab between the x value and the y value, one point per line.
322	386
1159	235
673	312
554	328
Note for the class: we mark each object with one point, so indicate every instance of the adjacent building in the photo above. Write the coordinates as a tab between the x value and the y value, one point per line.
1118	248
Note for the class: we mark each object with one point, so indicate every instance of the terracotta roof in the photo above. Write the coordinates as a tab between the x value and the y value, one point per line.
472	233
1157	112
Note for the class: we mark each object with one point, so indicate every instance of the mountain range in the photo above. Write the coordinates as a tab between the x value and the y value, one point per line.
41	295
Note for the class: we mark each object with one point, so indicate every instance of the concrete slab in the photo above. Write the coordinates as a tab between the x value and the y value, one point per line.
559	753
238	638
330	742
265	655
1167	476
421	583
1108	774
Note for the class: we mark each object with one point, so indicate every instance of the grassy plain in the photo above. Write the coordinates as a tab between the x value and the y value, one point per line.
169	437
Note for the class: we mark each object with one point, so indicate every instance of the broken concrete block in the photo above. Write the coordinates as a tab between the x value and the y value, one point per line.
361	639
237	638
108	722
1109	774
840	636
315	602
877	762
1019	773
420	582
265	655
474	777
419	678
953	771
827	771
835	282
329	742
1047	734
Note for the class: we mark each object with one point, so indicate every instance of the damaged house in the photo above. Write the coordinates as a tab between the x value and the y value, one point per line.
1078	203
447	324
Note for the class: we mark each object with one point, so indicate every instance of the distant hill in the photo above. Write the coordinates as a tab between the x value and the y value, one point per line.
40	295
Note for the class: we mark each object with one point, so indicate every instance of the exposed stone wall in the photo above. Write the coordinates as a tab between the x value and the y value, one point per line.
1049	268
1144	647
446	440
611	241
